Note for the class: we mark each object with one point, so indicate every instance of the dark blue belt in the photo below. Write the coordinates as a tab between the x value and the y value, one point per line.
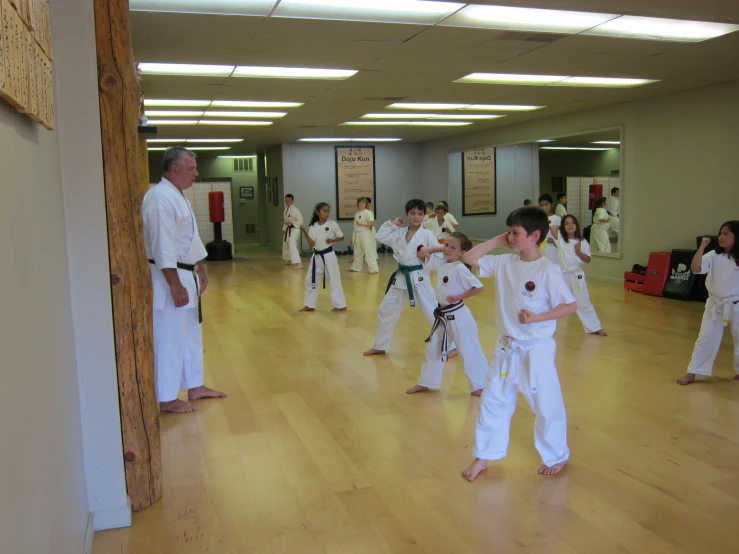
440	319
321	253
191	269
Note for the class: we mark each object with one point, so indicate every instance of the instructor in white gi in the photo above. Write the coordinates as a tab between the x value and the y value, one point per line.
174	250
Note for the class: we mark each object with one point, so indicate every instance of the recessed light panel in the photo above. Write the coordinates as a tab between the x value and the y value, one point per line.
267	115
156	102
349	139
233	122
197	70
217	7
653	28
253	104
552	80
377	11
172	113
606	142
262	72
166	141
214	140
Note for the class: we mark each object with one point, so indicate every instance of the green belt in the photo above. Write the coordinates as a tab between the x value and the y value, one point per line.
406	270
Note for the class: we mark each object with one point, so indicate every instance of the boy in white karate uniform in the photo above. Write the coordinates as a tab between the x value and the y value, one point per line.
550	248
531	295
409	282
291	233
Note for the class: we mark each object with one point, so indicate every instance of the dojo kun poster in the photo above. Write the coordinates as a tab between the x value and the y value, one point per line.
478	182
355	177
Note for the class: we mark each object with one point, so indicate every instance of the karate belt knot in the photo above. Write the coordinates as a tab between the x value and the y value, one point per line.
191	269
405	270
288	232
440	319
723	307
516	351
321	253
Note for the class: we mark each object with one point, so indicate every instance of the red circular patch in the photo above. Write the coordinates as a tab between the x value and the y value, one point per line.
446	279
531	286
419	247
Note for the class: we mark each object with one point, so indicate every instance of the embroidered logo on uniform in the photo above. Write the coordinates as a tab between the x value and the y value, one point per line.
420	279
579	276
419	247
450	317
530	286
327	228
446	279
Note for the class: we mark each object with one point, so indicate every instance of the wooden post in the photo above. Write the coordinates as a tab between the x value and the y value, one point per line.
143	160
132	295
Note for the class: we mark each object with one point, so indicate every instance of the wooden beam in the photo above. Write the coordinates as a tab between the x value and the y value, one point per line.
143	161
132	295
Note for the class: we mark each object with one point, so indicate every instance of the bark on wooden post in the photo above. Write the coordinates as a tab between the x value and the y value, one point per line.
143	155
132	296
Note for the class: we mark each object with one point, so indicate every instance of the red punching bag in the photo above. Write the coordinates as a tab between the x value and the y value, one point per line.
595	191
215	202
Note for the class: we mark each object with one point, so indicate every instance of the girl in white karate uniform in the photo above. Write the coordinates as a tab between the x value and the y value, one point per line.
365	247
573	252
448	217
721	267
439	225
453	320
321	235
601	223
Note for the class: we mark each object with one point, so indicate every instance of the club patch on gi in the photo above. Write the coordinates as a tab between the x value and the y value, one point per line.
327	229
446	279
530	286
419	247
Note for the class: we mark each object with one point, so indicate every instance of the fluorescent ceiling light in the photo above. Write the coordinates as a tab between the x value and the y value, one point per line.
654	28
218	7
527	19
440	123
231	122
253	104
546	140
216	113
349	140
169	113
571	148
209	148
376	123
155	122
426	106
503	107
292	72
606	142
176	103
397	115
603	82
511	79
237	156
166	141
214	140
467	116
186	69
377	11
157	148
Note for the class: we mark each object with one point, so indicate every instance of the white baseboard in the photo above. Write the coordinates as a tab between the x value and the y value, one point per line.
112	519
89	535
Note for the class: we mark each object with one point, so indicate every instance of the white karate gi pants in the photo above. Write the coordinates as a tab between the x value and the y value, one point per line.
526	366
599	239
178	351
462	330
290	250
365	248
711	333
394	302
585	308
338	299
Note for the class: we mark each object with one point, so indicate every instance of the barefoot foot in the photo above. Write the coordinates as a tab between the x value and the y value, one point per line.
297	266
736	377
177	406
204	392
416	388
452	354
339	309
601	333
553	470
352	271
373	352
477	392
475	469
689	378
307	309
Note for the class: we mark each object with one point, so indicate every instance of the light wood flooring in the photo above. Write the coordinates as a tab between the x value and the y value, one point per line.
319	450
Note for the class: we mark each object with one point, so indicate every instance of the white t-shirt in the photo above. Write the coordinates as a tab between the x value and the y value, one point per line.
561	211
320	233
453	278
599	214
449	218
439	231
722	279
365	216
550	250
568	258
536	286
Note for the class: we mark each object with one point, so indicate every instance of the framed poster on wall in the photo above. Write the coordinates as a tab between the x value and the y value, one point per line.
479	193
355	177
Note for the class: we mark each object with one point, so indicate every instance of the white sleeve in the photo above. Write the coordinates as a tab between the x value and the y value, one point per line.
707	262
559	292
435	261
297	217
585	247
312	232
487	265
561	211
388	234
162	230
467	279
451	219
371	216
338	233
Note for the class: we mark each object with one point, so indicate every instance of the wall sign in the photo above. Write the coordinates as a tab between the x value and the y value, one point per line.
355	177
246	192
478	182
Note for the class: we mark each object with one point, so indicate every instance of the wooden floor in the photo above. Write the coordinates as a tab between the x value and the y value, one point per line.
319	450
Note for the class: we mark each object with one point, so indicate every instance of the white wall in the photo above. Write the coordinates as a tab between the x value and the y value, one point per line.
516	179
679	166
308	172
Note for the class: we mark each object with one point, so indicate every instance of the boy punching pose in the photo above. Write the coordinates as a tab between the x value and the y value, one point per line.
531	294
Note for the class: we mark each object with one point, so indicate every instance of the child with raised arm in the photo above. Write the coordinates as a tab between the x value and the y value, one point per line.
409	282
364	238
453	320
531	295
321	235
721	267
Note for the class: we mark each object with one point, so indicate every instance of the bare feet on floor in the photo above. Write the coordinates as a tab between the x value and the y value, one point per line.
600	332
204	392
477	392
297	266
307	309
475	469
416	388
177	406
373	352
689	378
552	470
353	270
452	354
339	309
374	272
736	377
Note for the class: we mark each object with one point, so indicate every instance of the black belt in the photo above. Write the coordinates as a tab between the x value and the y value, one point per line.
440	318
321	253
192	269
288	232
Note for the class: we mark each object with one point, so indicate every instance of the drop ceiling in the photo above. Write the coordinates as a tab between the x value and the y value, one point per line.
418	63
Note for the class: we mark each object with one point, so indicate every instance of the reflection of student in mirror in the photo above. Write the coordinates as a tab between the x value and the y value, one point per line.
449	218
561	210
439	226
550	246
613	202
599	231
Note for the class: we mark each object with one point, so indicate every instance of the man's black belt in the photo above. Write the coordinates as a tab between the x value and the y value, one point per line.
191	269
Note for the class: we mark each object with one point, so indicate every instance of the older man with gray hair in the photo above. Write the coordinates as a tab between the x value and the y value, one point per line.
175	251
